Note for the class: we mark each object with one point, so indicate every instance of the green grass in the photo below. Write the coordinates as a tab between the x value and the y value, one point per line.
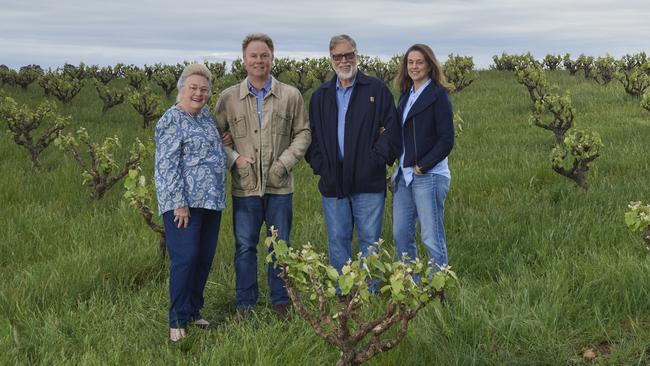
547	270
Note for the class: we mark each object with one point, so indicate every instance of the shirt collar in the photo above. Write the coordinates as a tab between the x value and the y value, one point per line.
340	87
265	89
413	92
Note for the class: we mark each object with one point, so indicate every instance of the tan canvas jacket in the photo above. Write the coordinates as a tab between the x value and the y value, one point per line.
276	146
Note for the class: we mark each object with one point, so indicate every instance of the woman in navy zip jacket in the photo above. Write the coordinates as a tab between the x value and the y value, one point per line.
421	181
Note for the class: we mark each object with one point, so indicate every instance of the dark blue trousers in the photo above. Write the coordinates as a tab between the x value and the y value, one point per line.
191	251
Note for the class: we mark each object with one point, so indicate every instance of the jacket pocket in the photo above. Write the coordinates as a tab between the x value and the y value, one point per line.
376	159
244	178
278	175
282	124
238	127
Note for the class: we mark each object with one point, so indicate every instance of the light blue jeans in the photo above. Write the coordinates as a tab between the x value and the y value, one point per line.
422	201
363	210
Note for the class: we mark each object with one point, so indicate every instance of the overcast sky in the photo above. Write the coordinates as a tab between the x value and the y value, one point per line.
50	33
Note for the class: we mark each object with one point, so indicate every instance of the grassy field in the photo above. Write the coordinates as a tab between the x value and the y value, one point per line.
547	270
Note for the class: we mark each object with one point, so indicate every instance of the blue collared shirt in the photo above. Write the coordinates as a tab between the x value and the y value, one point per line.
342	102
190	162
259	95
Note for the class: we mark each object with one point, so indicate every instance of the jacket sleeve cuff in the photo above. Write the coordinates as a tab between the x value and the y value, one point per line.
232	156
172	202
287	160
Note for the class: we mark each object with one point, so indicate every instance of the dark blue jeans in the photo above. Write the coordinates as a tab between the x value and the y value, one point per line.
191	251
248	215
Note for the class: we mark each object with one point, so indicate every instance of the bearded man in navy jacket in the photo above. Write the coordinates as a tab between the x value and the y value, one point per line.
355	134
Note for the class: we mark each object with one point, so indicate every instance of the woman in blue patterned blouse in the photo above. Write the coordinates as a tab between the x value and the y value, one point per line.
190	176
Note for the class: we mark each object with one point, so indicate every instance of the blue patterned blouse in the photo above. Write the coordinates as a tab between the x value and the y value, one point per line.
190	167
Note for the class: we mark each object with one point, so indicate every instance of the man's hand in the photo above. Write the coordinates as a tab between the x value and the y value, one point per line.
279	168
242	161
226	139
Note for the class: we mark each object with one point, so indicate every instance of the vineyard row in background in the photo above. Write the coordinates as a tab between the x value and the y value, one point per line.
574	151
633	71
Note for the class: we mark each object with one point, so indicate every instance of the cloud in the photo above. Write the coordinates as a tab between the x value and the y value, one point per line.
92	31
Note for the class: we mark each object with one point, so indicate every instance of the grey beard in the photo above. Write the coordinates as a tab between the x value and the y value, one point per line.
346	76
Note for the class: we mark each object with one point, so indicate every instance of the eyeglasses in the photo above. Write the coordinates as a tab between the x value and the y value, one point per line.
194	89
348	56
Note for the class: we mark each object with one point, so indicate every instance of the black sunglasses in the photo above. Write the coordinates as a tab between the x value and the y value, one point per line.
348	56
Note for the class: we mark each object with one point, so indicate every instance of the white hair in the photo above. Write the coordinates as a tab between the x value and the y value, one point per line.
193	69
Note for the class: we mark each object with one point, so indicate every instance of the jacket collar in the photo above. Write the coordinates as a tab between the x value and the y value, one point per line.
244	92
428	96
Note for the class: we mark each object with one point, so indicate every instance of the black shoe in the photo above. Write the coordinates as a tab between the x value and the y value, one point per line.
281	310
441	295
344	299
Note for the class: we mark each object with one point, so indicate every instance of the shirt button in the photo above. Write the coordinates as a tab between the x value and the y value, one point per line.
254	131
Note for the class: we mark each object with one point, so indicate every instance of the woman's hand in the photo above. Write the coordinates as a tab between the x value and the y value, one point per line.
182	217
417	170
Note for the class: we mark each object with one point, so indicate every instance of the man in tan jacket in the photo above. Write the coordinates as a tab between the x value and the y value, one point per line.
270	131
